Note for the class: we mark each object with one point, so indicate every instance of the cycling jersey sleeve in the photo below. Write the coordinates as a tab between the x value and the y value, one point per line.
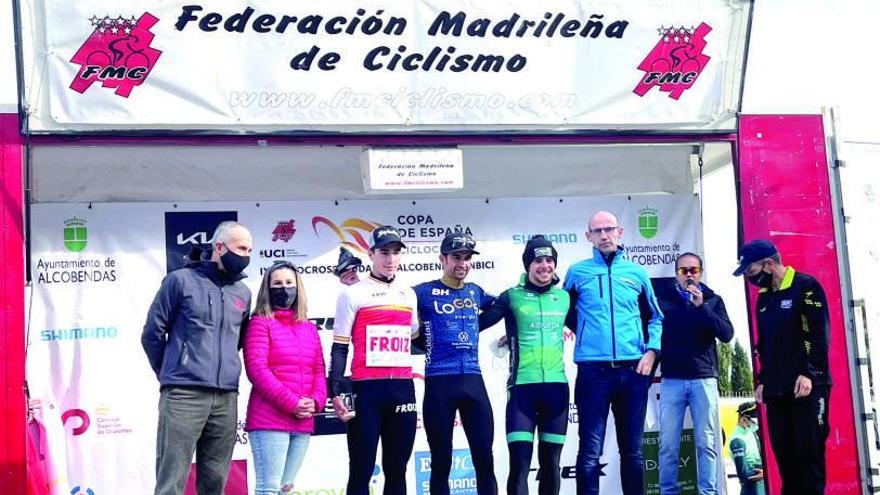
738	452
346	309
486	301
494	313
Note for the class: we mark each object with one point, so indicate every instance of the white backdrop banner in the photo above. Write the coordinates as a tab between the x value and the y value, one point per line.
97	267
378	64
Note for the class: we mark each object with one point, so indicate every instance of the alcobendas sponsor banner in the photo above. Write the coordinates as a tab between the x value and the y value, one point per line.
97	267
275	65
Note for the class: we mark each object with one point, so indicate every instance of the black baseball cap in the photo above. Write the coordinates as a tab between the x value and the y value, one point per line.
458	241
749	409
751	252
346	261
383	236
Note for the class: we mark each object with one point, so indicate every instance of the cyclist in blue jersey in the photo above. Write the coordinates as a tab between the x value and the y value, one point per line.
448	311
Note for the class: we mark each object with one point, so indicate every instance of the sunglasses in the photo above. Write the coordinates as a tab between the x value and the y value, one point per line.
462	243
604	230
693	270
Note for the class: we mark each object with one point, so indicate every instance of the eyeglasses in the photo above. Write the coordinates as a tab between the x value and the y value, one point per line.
604	230
693	270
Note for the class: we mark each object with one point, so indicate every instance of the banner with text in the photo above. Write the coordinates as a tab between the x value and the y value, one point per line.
96	268
383	65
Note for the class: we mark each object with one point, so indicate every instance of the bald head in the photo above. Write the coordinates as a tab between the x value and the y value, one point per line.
604	231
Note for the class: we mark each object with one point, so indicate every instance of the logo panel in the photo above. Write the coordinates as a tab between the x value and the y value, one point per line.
116	54
187	230
676	61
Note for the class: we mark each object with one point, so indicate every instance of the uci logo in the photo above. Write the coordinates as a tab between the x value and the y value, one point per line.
452	307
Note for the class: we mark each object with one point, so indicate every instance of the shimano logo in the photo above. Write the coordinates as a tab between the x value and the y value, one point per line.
560	238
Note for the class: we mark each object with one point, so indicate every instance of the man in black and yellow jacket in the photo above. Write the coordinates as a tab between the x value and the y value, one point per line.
794	380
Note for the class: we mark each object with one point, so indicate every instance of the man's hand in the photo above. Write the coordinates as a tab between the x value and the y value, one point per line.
802	387
696	295
758	476
305	408
342	412
759	394
646	364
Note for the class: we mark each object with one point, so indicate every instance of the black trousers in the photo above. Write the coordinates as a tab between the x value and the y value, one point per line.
384	409
444	395
798	430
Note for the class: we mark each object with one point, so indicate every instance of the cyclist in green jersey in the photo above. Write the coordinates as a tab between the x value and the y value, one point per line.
534	312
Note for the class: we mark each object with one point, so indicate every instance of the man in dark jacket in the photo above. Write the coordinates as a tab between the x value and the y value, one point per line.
793	324
694	317
191	338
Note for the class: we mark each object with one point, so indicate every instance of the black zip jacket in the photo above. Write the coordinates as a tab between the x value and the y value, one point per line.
793	326
689	332
194	326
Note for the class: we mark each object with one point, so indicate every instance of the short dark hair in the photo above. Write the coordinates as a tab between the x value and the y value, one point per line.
688	253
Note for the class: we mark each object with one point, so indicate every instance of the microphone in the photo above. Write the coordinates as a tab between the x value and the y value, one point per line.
687	284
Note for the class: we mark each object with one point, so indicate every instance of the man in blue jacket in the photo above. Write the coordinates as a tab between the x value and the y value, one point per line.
191	338
693	318
618	340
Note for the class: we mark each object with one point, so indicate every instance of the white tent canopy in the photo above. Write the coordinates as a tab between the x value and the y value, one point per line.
266	173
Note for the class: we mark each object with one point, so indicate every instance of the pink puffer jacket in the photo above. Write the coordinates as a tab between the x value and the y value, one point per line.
284	361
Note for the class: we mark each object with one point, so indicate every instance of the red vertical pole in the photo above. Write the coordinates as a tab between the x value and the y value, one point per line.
12	401
785	196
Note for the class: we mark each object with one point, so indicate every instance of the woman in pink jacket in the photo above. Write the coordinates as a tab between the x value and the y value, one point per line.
285	363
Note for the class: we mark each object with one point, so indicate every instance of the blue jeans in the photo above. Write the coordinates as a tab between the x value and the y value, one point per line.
702	396
598	387
277	457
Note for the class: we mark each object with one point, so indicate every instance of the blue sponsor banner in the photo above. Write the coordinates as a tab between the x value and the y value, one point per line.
462	477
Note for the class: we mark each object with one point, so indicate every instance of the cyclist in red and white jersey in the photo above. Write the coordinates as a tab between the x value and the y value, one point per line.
378	317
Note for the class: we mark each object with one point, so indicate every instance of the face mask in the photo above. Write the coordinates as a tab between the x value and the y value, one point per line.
762	279
234	263
282	297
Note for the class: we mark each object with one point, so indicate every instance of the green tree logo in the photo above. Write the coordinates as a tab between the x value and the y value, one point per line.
649	222
76	235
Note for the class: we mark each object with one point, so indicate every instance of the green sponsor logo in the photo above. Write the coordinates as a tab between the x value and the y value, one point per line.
687	465
76	235
649	222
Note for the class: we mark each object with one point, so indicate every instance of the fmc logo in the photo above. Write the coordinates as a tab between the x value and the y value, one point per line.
186	230
676	61
649	222
117	54
76	236
284	231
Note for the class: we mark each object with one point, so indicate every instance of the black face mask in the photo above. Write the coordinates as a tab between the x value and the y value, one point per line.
762	279
282	297
234	263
